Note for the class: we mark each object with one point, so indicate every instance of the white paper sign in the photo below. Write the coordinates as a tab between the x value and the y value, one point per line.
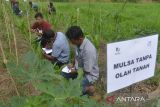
130	61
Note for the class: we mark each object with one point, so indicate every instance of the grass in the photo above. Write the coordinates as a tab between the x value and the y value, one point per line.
108	20
101	22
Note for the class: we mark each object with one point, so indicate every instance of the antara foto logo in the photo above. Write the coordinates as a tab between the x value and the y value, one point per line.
112	99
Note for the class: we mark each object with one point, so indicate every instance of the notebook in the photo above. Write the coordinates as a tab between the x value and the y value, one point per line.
66	70
47	51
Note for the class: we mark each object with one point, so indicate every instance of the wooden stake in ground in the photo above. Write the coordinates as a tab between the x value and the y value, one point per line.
15	43
5	62
6	20
78	12
29	28
3	55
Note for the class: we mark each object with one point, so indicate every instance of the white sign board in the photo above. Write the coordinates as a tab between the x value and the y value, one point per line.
130	61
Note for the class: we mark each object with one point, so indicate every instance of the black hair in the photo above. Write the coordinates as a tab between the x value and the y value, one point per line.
38	14
43	42
30	3
51	4
46	37
74	32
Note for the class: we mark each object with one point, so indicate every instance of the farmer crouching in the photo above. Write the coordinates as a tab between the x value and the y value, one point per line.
40	26
51	8
59	45
16	10
86	58
33	6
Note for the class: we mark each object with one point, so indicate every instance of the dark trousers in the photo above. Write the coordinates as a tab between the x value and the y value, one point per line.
16	10
69	75
59	63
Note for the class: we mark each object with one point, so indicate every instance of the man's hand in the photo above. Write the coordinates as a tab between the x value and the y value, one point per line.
43	54
33	30
48	57
36	32
72	68
73	71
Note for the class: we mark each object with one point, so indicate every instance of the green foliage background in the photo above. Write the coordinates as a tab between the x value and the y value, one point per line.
101	22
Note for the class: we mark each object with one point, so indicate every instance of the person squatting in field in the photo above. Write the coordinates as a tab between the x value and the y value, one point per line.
86	58
59	45
33	6
15	7
40	26
51	8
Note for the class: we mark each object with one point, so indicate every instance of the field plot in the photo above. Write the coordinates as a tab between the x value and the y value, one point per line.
27	80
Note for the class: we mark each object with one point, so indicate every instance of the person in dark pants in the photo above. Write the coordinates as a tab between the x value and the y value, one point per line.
86	58
59	45
16	10
69	75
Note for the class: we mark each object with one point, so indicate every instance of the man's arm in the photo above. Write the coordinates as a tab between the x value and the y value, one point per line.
48	57
34	28
36	32
89	57
72	67
56	51
72	64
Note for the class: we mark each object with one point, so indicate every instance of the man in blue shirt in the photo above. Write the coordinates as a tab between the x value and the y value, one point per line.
85	57
59	45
